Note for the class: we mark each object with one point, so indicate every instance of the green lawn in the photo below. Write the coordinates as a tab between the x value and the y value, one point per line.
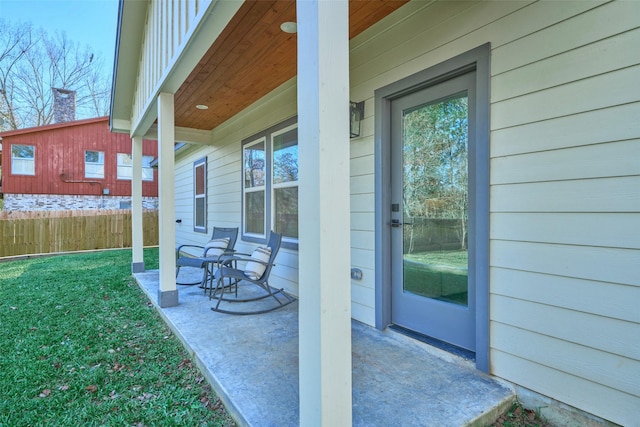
81	345
437	274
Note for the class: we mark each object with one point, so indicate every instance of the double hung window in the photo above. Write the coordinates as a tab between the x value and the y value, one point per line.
23	159
270	184
200	195
94	164
125	167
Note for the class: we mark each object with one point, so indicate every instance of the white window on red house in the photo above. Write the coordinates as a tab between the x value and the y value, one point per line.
23	159
94	164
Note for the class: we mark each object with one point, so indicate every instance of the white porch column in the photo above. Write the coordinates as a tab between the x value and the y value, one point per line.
324	224
137	241
167	293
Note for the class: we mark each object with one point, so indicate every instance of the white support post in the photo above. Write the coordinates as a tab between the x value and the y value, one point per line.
167	293
137	237
324	213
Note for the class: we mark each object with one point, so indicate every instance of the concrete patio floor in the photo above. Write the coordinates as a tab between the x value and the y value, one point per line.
252	364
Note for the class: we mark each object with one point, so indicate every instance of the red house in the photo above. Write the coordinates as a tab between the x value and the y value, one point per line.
73	165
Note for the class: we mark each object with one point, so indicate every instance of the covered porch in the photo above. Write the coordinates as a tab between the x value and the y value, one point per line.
213	88
252	363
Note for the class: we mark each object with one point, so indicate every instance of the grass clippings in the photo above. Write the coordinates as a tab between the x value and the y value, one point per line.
82	345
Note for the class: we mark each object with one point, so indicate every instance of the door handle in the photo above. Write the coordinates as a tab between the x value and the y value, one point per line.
397	223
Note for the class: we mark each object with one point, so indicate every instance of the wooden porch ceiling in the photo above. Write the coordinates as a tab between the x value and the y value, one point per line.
252	57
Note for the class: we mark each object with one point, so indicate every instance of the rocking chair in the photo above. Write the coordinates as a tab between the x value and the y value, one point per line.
256	271
222	242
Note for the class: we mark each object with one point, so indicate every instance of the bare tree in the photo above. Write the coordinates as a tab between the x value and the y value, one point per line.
32	63
14	43
435	169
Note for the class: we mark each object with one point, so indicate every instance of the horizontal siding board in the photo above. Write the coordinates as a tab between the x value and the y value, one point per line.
362	202
442	24
361	147
423	27
580	30
594	365
593	127
590	195
363	258
601	333
532	19
362	313
364	221
219	207
621	408
598	58
583	262
593	161
588	296
361	165
220	179
593	93
362	239
618	230
232	187
230	166
362	184
225	198
503	23
362	295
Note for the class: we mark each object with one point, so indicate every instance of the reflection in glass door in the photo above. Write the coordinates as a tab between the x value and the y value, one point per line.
430	139
435	200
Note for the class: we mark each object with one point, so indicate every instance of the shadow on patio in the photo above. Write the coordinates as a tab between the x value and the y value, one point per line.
252	363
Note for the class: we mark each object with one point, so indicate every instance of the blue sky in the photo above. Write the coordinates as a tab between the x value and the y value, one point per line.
86	22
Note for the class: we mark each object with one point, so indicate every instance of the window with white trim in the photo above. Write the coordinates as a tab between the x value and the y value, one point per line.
93	164
23	159
200	195
125	167
270	184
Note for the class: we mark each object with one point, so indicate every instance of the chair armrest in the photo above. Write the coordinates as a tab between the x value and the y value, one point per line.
179	248
228	260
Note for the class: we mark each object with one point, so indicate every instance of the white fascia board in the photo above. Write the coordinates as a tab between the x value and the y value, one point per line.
131	20
120	125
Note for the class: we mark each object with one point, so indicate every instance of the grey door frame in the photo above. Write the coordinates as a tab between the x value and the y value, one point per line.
477	59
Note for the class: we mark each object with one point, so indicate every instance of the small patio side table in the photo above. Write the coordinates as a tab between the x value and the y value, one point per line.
210	265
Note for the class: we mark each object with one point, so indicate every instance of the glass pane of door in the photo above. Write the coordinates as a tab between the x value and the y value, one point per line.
435	200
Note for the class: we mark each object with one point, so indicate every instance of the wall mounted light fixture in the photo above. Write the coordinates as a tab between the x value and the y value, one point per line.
356	113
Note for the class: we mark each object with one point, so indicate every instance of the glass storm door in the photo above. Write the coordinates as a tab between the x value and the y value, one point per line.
431	292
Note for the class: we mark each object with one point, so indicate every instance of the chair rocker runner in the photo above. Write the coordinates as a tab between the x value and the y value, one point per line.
256	271
222	242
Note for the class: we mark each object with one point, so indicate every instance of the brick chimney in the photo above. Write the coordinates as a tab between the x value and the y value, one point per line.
64	105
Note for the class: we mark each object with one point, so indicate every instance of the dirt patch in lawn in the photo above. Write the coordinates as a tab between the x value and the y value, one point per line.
518	416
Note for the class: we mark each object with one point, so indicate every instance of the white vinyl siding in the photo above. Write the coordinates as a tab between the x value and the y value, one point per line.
565	184
565	264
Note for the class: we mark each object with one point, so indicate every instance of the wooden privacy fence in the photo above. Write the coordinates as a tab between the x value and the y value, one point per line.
37	232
